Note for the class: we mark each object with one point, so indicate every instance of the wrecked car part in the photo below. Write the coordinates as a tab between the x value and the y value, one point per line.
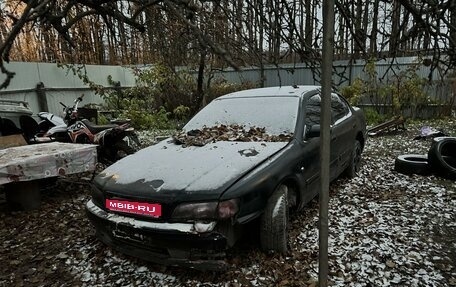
197	245
143	224
412	164
429	132
395	124
442	156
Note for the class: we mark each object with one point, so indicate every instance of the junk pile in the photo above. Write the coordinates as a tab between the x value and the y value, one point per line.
429	132
201	137
440	160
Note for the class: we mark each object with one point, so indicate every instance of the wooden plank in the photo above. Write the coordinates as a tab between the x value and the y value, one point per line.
395	123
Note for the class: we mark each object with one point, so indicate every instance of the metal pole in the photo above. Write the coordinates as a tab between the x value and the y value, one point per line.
327	62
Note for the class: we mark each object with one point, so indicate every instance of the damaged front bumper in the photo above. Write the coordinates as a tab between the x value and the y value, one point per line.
194	245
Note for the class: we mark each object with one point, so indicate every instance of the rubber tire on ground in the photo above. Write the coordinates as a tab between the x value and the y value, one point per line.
274	222
44	126
412	164
442	157
355	160
117	151
121	149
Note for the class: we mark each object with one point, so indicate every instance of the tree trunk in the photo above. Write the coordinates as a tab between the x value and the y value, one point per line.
452	46
358	30
200	99
395	19
373	38
309	25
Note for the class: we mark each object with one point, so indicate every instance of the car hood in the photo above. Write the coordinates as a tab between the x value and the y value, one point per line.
167	170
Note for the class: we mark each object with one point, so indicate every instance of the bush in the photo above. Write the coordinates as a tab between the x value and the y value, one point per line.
373	117
400	95
163	98
353	92
160	96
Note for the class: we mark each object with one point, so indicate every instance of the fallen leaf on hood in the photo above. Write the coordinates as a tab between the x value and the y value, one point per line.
227	133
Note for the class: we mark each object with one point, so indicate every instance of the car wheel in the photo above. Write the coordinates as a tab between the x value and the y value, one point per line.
121	149
412	164
274	222
442	157
355	160
112	154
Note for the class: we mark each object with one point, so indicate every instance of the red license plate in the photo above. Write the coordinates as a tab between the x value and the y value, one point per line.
149	209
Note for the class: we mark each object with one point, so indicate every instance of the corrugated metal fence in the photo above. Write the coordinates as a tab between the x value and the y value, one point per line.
62	85
58	84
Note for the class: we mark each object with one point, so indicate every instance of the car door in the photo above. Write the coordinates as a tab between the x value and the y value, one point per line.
312	109
342	133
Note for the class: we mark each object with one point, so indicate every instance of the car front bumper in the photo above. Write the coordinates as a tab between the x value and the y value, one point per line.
195	245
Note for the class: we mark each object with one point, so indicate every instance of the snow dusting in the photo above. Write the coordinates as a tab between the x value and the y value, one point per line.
386	229
279	203
191	168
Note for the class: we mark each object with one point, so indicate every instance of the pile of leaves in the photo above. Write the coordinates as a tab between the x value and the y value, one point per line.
227	133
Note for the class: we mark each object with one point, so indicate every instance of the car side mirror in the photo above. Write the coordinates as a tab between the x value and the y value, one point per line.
313	131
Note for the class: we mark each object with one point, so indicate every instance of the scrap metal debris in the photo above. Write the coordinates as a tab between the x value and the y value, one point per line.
227	133
429	132
395	124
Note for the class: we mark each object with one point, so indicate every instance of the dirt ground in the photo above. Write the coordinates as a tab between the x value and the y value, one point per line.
386	229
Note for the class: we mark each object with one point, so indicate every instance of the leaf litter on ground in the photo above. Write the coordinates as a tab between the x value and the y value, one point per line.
386	229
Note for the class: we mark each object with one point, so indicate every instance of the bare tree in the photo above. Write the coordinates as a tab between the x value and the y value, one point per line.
203	34
62	16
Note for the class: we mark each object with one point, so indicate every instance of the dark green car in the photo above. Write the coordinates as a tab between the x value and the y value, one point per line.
247	157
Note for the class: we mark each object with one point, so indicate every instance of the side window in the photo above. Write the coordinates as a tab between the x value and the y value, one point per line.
339	108
313	110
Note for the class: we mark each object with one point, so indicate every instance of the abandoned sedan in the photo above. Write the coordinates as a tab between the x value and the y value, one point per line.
247	157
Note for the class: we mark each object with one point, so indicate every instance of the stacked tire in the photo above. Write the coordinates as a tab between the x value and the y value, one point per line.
440	160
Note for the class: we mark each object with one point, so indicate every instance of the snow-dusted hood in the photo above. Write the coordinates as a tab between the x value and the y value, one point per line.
167	169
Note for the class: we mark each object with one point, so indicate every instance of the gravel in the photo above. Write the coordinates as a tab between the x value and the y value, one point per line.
386	229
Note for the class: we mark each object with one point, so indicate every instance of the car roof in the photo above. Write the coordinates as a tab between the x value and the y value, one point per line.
296	91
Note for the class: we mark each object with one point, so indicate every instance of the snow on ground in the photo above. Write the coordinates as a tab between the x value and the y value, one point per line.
383	228
386	229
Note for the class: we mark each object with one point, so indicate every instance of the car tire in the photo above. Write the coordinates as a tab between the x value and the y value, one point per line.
442	157
117	151
355	160
274	222
412	164
121	149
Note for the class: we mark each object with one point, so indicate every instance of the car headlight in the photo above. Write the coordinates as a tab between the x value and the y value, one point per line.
207	210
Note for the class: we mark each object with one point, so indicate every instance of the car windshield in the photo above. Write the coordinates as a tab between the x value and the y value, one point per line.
277	115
